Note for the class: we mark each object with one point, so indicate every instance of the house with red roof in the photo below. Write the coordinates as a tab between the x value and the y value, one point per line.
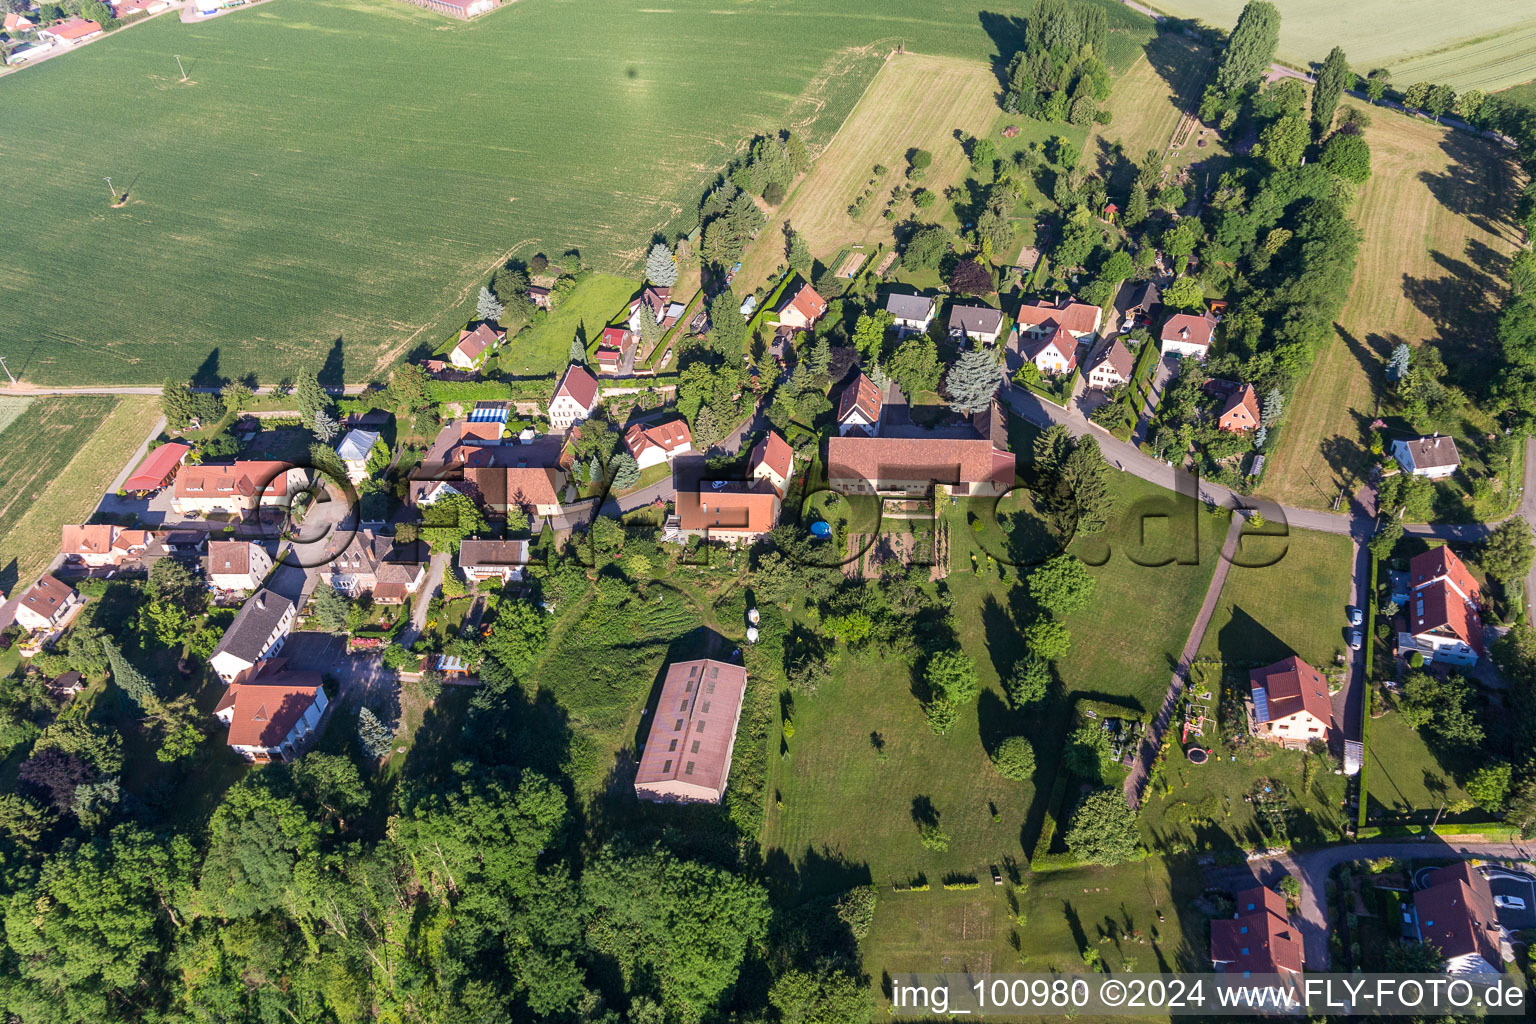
1112	366
651	446
235	489
1240	412
657	298
272	713
1188	334
469	350
802	309
96	546
1040	320
1289	704
15	23
575	399
1258	939
728	511
687	753
47	604
1053	354
616	346
1456	914
773	462
158	468
859	407
71	31
1444	621
237	564
970	457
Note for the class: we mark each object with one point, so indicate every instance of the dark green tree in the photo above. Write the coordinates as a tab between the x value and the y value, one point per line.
1103	828
1332	79
1251	47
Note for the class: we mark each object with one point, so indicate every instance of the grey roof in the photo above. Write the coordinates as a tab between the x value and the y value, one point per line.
1432	452
975	319
909	307
247	635
357	444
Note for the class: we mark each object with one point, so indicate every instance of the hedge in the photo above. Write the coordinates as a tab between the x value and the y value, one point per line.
1491	829
1041	859
1365	698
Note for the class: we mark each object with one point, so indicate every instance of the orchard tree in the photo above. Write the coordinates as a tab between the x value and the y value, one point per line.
1029	681
1376	84
1014	759
1185	293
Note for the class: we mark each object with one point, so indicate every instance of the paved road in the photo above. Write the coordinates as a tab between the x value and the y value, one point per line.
1311	868
137	457
412	632
1136	781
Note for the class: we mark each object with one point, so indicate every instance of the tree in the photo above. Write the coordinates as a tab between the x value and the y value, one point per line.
626	472
174	582
517	637
925	248
1103	829
1062	585
1251	47
1331	81
1489	786
1048	639
1185	293
932	836
941	714
1348	156
578	353
952	676
970	277
374	738
1274	407
1376	84
973	380
915	365
1508	552
1014	759
134	684
328	609
869	334
331	782
1416	95
1414	958
983	155
310	397
1439	99
325	427
449	520
727	327
1283	143
1136	207
487	307
650	329
661	266
1402	358
798	255
177	403
820	997
1029	681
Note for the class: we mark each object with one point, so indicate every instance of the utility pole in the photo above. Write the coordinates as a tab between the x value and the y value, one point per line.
7	370
110	190
183	70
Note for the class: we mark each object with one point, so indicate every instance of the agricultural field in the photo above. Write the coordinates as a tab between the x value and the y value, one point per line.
1524	94
56	460
1436	238
282	216
1295	606
1487	45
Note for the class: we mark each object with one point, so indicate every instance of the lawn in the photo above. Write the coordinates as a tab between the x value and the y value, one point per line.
1294	606
1406	779
1436	241
546	348
1416	39
56	460
354	169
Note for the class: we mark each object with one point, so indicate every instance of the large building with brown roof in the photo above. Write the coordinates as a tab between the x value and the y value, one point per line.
235	489
1258	939
470	348
272	713
1443	619
969	457
504	560
1290	704
47	604
1043	319
1111	366
372	563
687	755
1434	457
1455	913
1188	334
732	513
651	446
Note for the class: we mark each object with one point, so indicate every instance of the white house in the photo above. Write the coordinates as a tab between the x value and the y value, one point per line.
860	407
470	348
1186	334
354	450
272	715
1434	457
1053	354
911	312
575	399
237	564
258	632
1289	704
1112	367
504	560
651	446
976	324
773	462
47	604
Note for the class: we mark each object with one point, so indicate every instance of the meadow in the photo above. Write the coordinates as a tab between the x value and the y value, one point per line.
1487	45
1436	238
353	169
57	458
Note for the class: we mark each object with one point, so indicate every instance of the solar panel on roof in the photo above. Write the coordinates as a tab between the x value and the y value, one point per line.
1260	704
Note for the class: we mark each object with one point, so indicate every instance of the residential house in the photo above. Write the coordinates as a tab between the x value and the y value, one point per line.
539	296
503	560
616	347
773	462
731	513
1258	939
1240	411
1112	366
858	410
1136	303
237	564
259	631
979	325
47	604
575	399
235	489
97	546
463	9
1435	456
802	309
1053	354
658	298
374	564
158	468
272	713
354	450
528	477
1042	320
651	446
70	31
1188	334
64	687
687	754
1455	913
911	312
1444	623
971	458
16	23
469	350
1289	704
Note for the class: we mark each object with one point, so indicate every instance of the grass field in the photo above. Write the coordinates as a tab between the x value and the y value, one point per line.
1295	606
1486	45
56	460
353	168
10	409
1406	779
547	347
1433	255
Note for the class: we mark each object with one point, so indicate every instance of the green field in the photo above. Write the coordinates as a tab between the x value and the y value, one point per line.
1487	45
547	347
352	169
1407	781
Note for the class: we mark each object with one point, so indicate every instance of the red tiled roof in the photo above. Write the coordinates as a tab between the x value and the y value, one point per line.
1456	913
617	337
699	706
266	709
1242	401
807	302
229	557
747	511
15	21
73	28
47	595
1260	939
1442	563
1076	317
1190	329
1293	686
472	343
580	385
243	478
1437	608
1118	358
515	485
774	452
668	436
863	396
1062	341
939	459
157	467
86	540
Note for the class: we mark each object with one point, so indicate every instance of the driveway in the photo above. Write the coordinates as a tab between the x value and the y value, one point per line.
361	677
412	632
1167	366
1521	886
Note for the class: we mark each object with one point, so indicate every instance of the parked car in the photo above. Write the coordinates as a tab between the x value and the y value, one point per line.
1509	902
1354	638
1356	616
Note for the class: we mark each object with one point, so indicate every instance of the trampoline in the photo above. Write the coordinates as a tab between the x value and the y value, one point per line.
1197	755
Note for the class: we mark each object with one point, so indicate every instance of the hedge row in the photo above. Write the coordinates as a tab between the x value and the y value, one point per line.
1365	698
1041	859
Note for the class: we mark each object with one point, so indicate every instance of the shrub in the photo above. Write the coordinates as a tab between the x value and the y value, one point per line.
1014	759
